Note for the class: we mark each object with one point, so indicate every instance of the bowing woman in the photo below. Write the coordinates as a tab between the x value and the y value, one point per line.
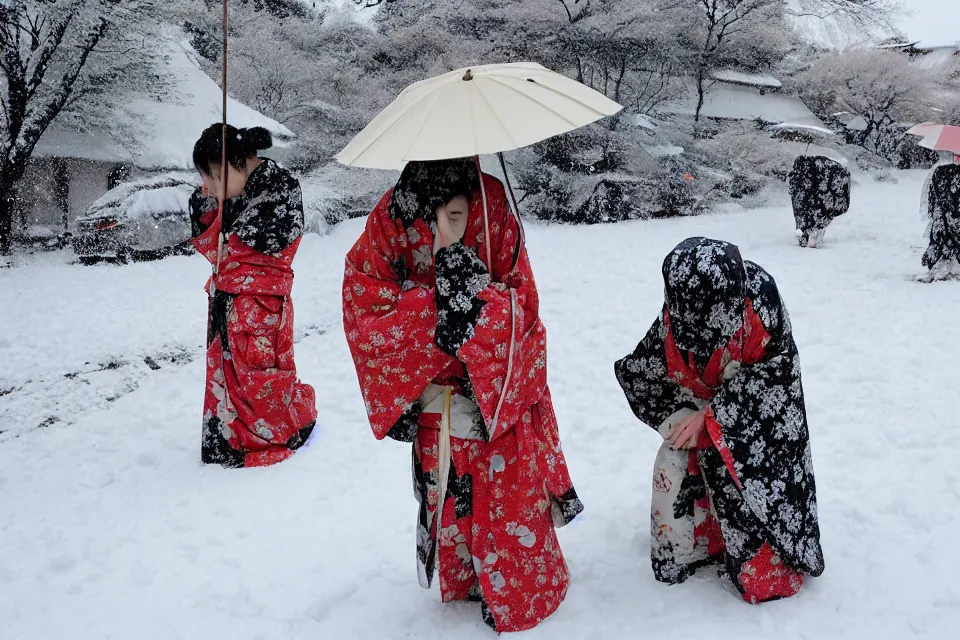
718	376
256	411
441	315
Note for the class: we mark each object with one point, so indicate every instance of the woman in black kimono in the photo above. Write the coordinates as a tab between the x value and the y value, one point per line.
718	377
820	192
942	256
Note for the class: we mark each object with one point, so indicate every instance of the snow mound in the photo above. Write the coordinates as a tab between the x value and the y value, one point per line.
113	530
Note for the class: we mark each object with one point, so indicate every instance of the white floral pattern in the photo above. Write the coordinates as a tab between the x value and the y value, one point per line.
943	203
764	427
820	191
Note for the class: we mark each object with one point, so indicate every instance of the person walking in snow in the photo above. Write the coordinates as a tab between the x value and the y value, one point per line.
942	256
256	411
820	192
450	354
717	375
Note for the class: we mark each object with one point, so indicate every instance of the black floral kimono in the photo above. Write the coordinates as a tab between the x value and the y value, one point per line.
745	495
943	233
820	192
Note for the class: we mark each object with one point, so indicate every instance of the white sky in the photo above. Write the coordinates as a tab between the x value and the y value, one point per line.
933	21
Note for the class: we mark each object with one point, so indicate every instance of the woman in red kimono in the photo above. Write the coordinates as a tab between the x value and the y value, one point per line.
441	315
256	411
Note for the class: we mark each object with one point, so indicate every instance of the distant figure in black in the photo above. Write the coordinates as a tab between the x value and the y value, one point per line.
820	190
942	256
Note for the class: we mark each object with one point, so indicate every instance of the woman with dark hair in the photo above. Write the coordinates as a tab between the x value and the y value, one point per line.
718	377
441	315
256	411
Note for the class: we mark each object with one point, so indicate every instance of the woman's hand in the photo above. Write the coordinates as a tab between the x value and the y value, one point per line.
684	434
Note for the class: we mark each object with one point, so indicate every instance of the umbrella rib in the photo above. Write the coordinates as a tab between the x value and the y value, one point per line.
433	108
492	110
537	102
389	127
559	93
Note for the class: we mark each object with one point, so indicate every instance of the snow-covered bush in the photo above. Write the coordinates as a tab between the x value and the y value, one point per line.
336	193
881	87
571	192
153	195
747	152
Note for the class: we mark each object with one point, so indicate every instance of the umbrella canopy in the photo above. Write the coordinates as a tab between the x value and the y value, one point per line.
939	137
479	110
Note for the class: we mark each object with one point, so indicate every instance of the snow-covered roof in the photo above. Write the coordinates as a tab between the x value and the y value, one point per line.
898	45
165	131
160	134
750	79
66	141
742	103
936	45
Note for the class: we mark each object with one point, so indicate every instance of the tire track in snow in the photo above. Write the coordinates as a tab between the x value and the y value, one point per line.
61	398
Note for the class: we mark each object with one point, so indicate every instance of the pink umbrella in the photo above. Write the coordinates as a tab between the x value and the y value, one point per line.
939	137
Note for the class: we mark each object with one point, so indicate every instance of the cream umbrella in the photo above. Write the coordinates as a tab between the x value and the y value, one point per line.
480	110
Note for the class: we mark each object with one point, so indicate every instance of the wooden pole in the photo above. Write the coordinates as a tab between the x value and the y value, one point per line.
223	145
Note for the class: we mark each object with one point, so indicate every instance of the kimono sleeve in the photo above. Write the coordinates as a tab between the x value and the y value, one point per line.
653	396
480	320
390	331
203	211
273	219
762	422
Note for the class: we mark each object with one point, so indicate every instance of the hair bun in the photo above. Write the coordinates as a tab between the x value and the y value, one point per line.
255	139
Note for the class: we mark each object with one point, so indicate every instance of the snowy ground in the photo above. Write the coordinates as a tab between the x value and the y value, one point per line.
111	529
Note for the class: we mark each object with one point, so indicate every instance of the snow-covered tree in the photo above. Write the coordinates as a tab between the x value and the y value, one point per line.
865	13
639	53
882	87
56	56
746	33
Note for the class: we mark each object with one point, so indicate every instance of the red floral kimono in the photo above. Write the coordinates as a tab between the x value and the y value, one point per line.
256	412
507	486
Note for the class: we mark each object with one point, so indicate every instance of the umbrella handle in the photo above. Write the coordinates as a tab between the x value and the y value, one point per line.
223	150
486	217
514	208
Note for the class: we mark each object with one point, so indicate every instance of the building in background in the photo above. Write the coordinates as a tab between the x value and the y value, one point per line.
71	168
735	95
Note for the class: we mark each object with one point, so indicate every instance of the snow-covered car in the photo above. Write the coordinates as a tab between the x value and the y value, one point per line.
144	218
